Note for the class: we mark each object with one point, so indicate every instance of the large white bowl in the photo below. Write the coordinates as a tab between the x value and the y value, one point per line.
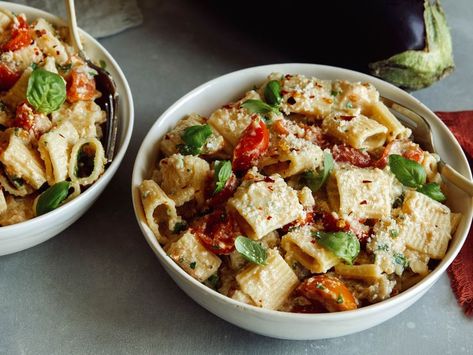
217	92
37	230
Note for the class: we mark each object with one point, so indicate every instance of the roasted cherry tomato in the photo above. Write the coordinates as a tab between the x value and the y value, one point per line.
415	154
24	117
253	142
8	78
20	36
345	153
330	291
225	194
217	231
80	87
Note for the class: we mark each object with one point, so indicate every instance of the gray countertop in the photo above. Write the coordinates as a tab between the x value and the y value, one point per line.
98	288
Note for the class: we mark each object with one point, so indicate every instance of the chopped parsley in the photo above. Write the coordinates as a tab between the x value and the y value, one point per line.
340	299
400	259
393	233
320	286
193	265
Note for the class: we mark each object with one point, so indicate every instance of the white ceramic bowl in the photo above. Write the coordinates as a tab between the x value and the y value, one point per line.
37	230
217	92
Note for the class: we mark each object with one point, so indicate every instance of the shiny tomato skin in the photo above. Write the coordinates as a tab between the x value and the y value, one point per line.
347	154
330	291
24	117
80	87
253	143
226	193
20	36
217	231
414	154
8	78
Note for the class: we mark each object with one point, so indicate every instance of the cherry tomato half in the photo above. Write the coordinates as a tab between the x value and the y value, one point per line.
217	231
253	142
330	291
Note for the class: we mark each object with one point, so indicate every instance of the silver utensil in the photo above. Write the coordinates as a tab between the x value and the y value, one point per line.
104	83
422	132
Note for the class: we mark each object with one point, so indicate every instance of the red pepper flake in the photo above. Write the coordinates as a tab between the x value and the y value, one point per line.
311	96
347	118
288	76
291	100
364	202
269	218
284	92
367	181
268	179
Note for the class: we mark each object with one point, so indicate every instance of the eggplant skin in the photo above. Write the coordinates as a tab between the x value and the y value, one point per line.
417	69
392	39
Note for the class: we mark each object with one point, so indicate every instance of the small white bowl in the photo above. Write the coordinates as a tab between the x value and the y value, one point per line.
217	92
37	230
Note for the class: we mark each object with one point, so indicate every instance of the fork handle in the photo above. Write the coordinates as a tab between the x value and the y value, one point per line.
456	178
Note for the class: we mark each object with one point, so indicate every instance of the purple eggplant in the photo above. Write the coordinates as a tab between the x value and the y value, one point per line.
406	42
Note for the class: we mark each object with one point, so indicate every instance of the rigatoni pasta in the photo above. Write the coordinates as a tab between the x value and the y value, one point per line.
50	125
304	195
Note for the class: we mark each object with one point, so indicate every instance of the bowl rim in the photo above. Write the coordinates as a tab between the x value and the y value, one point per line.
391	302
125	96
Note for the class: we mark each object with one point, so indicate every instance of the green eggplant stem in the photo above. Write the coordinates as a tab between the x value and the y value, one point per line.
417	69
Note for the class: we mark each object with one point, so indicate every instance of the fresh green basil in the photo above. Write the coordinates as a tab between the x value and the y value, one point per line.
179	227
316	181
52	197
251	250
46	91
272	93
194	138
258	106
407	171
433	191
223	171
344	245
212	281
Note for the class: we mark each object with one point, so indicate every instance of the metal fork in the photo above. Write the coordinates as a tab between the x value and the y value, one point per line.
105	84
422	133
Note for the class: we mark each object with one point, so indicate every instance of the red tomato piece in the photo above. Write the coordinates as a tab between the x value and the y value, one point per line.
409	151
24	117
347	154
225	194
415	154
217	231
330	291
80	87
8	78
20	36
253	142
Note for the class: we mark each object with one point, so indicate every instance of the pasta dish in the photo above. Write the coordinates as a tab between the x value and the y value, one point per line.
303	195
50	148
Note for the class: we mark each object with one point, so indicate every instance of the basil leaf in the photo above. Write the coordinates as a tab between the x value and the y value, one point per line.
46	91
223	171
212	281
408	172
52	197
258	106
272	93
315	182
185	149
179	227
195	137
251	250
343	245
433	191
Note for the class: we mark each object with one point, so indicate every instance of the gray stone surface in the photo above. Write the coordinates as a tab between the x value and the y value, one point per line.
98	288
